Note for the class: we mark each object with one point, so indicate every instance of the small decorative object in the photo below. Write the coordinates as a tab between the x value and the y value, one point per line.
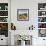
31	27
42	32
3	26
43	39
3	19
0	7
41	8
22	14
45	7
42	25
43	13
41	19
6	7
13	27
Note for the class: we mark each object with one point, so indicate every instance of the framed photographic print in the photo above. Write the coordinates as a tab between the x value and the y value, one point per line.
23	14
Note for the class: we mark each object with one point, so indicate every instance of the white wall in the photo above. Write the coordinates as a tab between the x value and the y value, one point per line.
32	5
24	4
